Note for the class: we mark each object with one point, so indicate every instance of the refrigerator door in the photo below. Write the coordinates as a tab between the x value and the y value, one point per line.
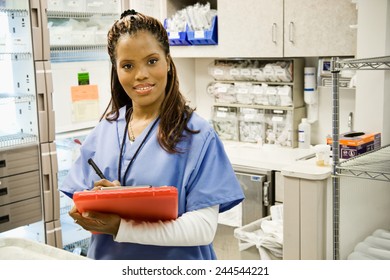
252	207
259	189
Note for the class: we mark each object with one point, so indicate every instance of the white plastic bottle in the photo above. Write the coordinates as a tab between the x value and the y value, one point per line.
304	133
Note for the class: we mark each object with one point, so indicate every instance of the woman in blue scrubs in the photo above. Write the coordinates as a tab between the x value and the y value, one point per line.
150	136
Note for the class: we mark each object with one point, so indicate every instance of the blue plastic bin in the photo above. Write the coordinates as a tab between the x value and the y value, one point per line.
177	38
206	37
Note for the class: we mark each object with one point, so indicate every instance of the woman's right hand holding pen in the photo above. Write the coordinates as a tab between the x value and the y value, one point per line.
104	183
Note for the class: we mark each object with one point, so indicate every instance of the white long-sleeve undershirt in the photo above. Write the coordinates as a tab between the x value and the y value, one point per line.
194	228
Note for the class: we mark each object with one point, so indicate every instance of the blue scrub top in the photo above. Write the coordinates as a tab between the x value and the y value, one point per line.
202	174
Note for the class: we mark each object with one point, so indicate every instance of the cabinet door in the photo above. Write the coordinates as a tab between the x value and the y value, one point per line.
319	28
250	28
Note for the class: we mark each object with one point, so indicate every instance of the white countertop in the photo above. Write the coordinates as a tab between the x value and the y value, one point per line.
25	249
272	157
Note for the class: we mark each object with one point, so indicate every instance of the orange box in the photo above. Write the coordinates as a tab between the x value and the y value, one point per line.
355	143
138	203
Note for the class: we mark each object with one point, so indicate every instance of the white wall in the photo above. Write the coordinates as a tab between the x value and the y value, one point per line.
193	79
185	68
373	87
323	127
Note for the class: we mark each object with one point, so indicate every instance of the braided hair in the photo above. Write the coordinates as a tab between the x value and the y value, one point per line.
174	111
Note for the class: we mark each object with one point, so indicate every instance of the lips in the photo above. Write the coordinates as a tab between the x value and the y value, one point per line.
143	88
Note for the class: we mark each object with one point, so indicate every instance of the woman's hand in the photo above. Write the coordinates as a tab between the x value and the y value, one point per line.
96	221
105	183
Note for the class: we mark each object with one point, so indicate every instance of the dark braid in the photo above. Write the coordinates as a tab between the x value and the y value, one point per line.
174	112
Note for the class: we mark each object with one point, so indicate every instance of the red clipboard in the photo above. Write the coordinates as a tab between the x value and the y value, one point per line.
137	203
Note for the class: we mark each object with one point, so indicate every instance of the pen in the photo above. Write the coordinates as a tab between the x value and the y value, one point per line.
96	168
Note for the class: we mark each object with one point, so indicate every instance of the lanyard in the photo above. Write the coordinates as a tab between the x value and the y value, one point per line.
122	180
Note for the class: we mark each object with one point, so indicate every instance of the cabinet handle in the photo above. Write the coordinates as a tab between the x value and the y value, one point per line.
274	26
3	191
2	163
4	219
266	187
35	14
290	32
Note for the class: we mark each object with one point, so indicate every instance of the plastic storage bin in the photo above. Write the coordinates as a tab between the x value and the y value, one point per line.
60	35
83	37
255	241
205	37
55	5
74	5
225	122
251	124
95	6
101	37
222	92
177	38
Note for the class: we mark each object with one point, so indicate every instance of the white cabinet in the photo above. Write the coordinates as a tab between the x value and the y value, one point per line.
319	28
280	28
250	28
304	207
246	28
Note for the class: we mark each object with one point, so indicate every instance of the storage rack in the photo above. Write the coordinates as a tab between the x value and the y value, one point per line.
90	51
297	108
374	165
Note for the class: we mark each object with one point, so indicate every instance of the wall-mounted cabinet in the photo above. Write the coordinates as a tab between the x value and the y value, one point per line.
279	28
319	28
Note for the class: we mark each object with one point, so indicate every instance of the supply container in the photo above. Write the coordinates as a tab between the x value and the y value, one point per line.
204	37
322	154
304	134
352	144
225	122
251	125
262	238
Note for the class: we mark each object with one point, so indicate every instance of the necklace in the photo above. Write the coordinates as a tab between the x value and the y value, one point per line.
131	136
120	178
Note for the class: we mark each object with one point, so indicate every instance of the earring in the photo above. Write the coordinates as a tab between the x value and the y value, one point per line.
169	69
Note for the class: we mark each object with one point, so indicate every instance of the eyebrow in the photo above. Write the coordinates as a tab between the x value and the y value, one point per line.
146	57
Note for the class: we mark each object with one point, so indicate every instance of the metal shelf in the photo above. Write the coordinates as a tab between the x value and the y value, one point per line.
15	56
78	15
8	98
374	165
375	63
65	53
13	140
267	107
14	12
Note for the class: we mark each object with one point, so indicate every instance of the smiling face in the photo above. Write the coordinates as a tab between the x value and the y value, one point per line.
142	68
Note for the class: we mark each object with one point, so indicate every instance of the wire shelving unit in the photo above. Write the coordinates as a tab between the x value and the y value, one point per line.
374	165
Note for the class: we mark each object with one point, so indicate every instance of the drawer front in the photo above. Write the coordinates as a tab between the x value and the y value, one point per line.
20	213
19	187
19	160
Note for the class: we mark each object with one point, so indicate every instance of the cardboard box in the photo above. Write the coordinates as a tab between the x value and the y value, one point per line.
352	144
